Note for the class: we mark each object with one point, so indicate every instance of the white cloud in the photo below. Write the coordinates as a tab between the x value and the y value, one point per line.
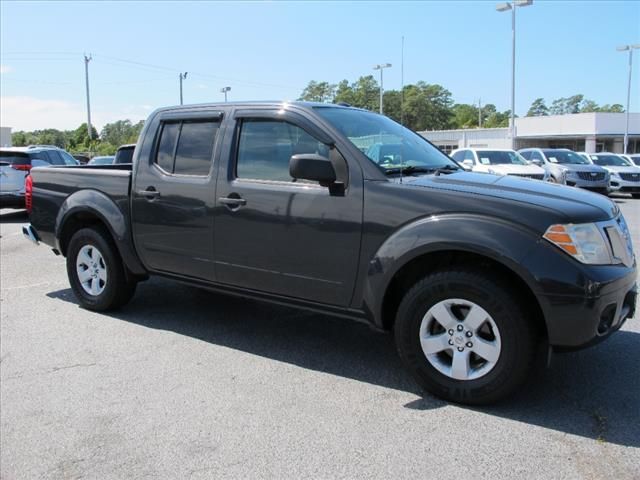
30	113
5	69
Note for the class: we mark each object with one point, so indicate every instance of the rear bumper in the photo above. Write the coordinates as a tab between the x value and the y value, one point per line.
12	199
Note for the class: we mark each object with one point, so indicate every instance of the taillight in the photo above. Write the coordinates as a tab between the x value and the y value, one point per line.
28	193
24	168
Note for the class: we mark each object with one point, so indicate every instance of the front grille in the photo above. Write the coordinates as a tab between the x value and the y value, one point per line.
591	176
630	177
535	176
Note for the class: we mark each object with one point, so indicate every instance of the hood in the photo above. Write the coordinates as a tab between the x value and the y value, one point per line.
574	205
580	167
625	169
510	169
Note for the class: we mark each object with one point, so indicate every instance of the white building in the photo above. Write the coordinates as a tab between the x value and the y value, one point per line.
5	136
588	132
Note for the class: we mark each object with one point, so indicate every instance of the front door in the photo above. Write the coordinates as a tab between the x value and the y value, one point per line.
173	197
278	235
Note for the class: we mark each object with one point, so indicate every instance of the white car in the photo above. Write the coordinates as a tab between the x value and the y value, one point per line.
625	176
498	161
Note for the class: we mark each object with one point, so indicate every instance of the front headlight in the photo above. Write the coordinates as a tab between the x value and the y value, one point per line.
584	242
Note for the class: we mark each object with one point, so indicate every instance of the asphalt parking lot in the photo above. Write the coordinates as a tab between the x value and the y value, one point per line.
182	383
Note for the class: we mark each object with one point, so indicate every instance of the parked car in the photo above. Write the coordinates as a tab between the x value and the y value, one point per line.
569	168
624	176
635	158
15	164
124	154
473	272
83	159
499	162
103	160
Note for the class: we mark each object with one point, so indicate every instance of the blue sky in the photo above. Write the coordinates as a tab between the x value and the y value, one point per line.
270	50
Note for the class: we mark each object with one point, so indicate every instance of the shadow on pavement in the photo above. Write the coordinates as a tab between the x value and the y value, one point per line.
13	216
594	393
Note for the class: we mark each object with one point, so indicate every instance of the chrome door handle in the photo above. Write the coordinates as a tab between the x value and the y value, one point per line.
233	202
148	193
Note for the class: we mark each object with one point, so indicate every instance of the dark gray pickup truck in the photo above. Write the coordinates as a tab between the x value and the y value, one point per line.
345	212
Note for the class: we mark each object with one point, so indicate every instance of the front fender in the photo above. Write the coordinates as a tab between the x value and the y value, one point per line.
104	208
499	240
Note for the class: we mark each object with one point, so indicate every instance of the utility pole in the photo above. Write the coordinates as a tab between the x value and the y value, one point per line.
86	78
479	113
182	76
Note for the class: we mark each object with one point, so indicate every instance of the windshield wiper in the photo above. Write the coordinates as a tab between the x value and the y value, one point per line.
411	169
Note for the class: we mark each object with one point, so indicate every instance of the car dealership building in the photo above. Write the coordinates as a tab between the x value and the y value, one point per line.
588	132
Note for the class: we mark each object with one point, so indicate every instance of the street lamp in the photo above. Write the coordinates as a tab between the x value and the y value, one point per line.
381	67
225	90
630	48
503	7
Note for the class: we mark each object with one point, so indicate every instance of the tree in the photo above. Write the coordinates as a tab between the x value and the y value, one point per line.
589	106
427	107
615	108
318	92
117	133
538	108
344	93
81	138
563	106
465	115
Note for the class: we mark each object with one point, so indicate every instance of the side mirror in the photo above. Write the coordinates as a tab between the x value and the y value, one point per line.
468	164
312	167
536	161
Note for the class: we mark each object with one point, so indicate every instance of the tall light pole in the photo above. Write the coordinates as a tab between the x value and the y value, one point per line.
182	77
86	79
503	7
630	48
381	67
225	90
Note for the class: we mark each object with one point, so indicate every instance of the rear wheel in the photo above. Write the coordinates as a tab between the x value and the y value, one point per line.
465	337
96	272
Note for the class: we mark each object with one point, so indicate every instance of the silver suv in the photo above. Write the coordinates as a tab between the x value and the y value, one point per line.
569	168
624	175
15	164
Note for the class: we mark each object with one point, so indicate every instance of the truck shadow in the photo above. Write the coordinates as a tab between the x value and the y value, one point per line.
594	393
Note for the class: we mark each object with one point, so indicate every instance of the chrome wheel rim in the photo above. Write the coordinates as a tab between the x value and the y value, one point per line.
92	270
460	339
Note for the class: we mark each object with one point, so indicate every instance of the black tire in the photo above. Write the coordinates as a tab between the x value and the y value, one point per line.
516	330
117	289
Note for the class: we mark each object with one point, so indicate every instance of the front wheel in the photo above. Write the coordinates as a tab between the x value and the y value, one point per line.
96	272
465	337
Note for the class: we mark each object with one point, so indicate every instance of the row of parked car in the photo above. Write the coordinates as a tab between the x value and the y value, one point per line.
16	162
600	172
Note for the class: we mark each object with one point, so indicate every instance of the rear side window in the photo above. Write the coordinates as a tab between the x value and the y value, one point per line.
186	148
526	155
124	155
42	156
56	158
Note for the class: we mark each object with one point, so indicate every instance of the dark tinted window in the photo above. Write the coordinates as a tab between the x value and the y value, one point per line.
14	158
266	146
124	155
56	158
526	155
195	148
166	147
67	158
41	156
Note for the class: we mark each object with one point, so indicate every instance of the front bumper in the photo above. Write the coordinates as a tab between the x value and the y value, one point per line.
582	304
599	185
618	185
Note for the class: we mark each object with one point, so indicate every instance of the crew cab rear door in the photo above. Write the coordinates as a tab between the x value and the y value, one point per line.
174	193
278	235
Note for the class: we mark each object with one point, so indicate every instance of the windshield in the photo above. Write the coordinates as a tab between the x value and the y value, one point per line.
566	157
609	160
636	159
500	157
386	143
101	161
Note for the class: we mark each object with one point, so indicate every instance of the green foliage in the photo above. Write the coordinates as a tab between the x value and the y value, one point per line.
465	115
538	108
318	92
